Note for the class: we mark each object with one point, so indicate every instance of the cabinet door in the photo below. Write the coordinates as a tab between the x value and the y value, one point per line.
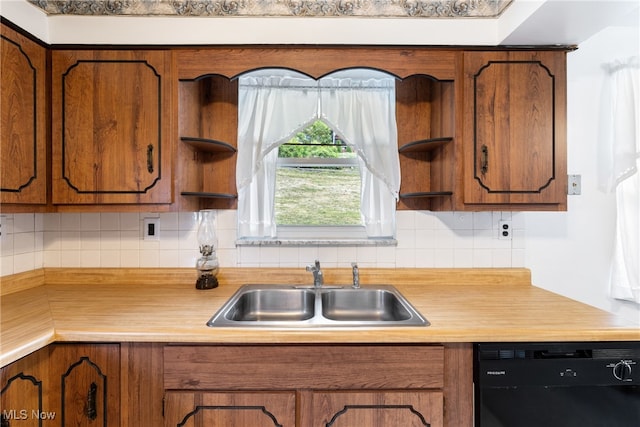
112	127
23	392
86	377
376	409
515	128
209	409
23	149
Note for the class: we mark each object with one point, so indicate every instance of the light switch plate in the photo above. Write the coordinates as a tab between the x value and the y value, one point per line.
575	185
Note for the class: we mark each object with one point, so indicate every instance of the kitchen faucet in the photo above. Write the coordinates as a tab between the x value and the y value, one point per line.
318	278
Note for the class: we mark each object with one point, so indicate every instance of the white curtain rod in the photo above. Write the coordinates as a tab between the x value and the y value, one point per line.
316	87
621	64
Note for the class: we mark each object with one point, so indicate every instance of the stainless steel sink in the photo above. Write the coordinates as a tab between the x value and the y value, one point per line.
287	306
377	305
263	305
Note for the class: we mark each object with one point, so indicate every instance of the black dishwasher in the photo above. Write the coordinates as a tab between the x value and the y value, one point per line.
589	384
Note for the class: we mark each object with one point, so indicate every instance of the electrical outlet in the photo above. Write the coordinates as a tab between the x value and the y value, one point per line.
151	228
504	230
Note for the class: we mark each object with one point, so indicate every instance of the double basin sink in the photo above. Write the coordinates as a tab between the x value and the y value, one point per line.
290	306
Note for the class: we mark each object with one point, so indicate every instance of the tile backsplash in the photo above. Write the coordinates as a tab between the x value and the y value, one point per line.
425	239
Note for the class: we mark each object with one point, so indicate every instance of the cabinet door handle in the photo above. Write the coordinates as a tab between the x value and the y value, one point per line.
90	409
484	159
150	158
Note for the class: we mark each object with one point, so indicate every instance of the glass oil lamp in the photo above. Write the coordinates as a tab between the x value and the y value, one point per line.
207	265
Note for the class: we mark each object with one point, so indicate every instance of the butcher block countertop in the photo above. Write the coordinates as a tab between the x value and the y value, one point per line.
162	305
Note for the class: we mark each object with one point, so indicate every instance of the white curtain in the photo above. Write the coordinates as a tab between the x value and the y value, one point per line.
361	109
272	107
618	171
358	104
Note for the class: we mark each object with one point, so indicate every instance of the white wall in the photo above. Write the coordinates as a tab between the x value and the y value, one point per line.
569	253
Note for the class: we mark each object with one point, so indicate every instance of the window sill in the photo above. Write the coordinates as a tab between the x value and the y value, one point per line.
316	242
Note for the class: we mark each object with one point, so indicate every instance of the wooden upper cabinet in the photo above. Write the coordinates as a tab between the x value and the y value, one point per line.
315	61
23	140
515	130
112	127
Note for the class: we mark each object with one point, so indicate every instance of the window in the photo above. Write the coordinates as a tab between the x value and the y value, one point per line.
276	105
317	180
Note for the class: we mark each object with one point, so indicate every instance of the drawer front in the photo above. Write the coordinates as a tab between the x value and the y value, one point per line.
303	367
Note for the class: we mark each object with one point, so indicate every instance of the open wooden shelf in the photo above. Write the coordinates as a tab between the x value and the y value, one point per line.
425	194
206	195
209	145
208	126
424	145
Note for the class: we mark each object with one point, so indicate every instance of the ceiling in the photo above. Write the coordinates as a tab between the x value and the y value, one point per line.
367	22
573	21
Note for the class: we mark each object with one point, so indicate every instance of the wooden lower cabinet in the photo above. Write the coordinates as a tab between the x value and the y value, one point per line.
318	385
86	377
373	409
156	384
23	391
314	409
260	409
63	385
141	388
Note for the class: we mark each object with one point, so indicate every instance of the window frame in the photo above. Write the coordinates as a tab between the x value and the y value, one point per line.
257	136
